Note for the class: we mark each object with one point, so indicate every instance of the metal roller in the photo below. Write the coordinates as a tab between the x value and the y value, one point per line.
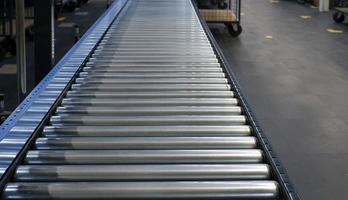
189	57
153	52
142	172
144	190
145	120
152	110
143	156
152	75
150	101
173	94
139	131
146	143
136	59
166	65
157	80
145	86
98	69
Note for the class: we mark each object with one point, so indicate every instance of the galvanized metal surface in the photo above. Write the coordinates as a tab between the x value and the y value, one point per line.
151	104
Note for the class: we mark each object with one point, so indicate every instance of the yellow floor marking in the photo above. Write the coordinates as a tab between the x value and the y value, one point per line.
274	1
269	37
8	69
305	17
331	30
60	19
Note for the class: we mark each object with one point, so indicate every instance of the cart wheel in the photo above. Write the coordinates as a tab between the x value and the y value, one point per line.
9	45
71	6
222	5
338	17
2	53
234	29
29	33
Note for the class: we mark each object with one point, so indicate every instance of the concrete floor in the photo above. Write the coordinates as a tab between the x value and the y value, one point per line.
297	85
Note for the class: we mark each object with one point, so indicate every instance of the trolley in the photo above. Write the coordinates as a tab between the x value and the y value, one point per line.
227	12
341	11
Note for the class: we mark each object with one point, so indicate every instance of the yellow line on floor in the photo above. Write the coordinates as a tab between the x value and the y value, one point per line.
8	69
305	17
331	30
60	19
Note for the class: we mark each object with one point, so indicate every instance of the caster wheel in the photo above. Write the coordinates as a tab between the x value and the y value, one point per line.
56	15
2	119
57	11
9	45
234	29
2	53
71	6
29	33
338	17
222	5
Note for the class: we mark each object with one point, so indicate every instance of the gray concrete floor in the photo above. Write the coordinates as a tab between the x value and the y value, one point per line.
297	85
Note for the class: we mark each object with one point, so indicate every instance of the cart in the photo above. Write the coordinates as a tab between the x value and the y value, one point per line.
227	12
304	1
341	11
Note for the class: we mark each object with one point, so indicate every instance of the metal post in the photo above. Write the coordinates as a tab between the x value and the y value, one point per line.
324	5
2	103
44	38
108	2
77	33
21	57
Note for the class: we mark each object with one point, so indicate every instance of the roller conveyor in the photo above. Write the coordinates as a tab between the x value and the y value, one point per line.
143	109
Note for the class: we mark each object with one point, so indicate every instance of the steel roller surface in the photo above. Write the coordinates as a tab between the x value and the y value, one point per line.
146	143
153	110
134	131
151	114
144	190
143	172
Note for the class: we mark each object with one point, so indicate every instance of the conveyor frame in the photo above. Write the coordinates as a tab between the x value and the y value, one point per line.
99	29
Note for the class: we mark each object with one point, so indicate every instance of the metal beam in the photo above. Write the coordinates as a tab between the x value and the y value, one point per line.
21	54
44	38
